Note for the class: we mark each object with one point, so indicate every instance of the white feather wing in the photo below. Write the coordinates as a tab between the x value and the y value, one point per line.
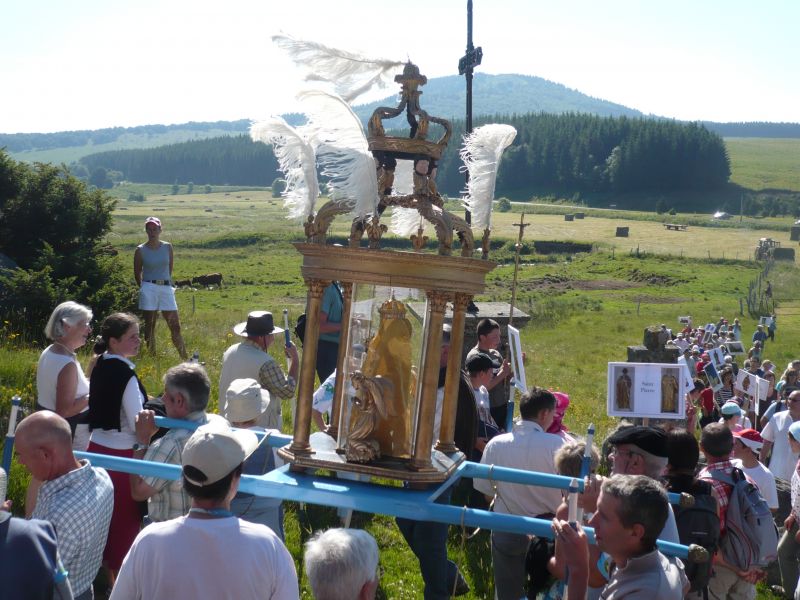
351	73
481	154
342	151
296	160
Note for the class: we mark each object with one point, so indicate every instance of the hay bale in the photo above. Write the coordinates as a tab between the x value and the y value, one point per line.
622	231
569	217
580	215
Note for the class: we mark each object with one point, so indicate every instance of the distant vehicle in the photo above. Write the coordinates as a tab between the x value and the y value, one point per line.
721	216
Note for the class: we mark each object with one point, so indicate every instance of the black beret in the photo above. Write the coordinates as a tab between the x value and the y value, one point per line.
649	439
480	362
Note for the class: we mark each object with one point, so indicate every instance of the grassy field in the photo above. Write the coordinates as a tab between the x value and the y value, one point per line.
585	308
765	163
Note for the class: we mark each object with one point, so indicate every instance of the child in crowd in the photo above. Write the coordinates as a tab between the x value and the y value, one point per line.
480	368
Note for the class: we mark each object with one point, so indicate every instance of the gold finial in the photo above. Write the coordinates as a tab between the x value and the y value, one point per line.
392	309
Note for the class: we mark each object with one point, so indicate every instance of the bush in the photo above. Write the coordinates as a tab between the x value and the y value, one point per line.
503	205
133	197
673	212
54	228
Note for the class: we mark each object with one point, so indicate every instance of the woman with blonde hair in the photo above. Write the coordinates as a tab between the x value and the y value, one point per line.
61	385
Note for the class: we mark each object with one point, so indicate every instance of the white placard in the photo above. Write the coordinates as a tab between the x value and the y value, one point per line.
765	321
751	386
687	320
653	390
687	374
516	359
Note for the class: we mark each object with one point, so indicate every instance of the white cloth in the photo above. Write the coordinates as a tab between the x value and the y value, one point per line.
153	296
132	402
482	403
764	479
783	460
50	366
530	448
190	558
322	400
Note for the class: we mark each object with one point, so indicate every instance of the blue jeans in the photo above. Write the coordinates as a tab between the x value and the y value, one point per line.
428	542
508	560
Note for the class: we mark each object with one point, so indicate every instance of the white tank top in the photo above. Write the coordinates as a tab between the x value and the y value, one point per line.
50	365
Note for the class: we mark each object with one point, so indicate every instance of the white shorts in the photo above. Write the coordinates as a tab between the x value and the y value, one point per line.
157	297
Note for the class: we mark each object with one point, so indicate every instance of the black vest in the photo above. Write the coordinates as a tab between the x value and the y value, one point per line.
107	384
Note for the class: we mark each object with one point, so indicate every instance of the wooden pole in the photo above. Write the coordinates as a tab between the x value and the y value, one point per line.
522	225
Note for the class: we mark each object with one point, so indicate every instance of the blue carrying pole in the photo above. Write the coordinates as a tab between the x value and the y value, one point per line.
8	449
364	497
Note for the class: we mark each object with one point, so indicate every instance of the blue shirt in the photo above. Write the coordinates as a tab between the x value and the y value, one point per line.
332	306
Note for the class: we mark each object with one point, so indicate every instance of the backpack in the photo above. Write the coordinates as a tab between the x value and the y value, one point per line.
699	524
300	328
751	538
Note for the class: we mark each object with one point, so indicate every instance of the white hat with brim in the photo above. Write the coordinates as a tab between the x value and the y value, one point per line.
216	450
245	400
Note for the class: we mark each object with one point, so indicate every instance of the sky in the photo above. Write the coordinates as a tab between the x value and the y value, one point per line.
90	64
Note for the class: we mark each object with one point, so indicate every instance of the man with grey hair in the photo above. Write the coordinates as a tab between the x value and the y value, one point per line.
342	564
631	511
186	392
638	450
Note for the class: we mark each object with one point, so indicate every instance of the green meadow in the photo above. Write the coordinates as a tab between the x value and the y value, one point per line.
765	163
585	309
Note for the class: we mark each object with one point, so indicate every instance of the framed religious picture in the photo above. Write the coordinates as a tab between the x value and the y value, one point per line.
717	357
515	350
735	348
653	390
688	379
765	321
687	320
714	380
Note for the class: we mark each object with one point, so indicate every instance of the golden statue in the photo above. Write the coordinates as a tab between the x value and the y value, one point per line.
669	392
369	405
389	357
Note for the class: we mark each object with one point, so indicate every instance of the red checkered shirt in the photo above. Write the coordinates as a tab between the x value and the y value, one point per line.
720	491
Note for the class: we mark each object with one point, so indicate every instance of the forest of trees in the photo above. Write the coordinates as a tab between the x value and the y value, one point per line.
229	160
564	153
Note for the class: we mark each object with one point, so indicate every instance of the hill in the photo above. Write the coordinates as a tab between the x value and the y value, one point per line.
504	95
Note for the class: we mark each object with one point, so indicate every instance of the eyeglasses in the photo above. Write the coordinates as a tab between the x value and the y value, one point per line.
618	452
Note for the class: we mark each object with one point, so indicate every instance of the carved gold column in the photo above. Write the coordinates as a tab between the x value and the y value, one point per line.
344	332
437	302
451	383
305	391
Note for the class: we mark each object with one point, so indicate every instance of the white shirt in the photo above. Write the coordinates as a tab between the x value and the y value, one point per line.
527	447
188	558
783	460
763	478
50	366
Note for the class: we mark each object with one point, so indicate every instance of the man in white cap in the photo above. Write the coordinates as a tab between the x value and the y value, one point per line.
245	402
209	553
250	359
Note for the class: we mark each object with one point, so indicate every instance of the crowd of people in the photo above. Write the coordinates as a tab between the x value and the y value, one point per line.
199	536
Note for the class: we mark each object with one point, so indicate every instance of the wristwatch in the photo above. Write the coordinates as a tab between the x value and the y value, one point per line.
138	446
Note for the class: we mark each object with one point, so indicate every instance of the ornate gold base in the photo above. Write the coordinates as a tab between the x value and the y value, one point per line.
325	457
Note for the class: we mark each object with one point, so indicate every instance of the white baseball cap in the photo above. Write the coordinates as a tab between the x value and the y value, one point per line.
216	450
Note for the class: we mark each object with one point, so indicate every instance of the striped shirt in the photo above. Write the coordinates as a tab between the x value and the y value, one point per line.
79	505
